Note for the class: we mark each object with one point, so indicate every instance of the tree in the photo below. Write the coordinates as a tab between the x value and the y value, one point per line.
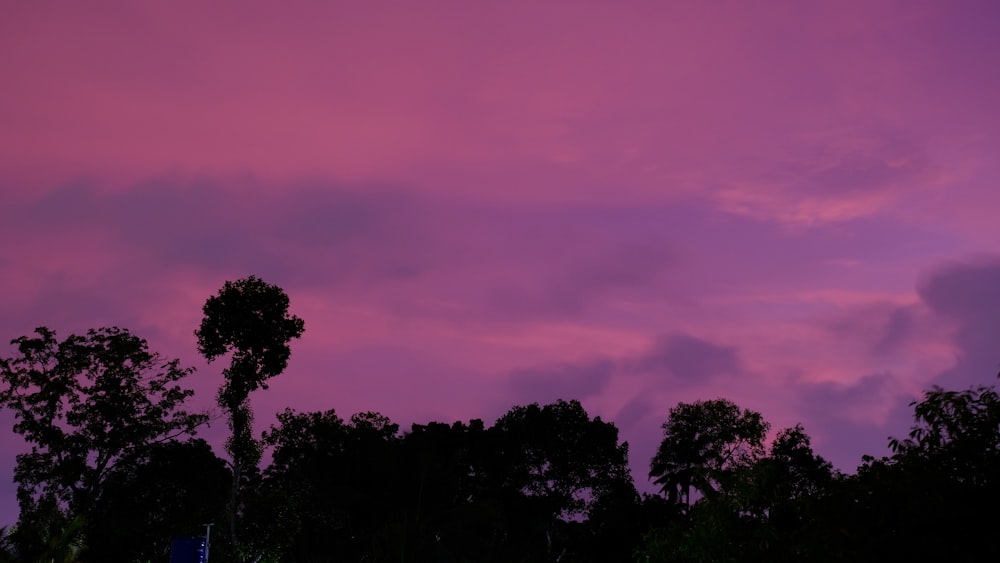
933	499
939	482
764	512
248	318
555	465
776	500
703	444
357	491
960	427
175	490
451	507
796	470
88	405
331	491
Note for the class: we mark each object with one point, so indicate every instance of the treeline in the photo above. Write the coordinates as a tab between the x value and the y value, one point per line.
114	471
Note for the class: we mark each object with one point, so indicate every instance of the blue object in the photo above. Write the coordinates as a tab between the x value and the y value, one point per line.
188	549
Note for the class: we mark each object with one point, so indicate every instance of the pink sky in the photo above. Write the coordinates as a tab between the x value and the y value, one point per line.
792	205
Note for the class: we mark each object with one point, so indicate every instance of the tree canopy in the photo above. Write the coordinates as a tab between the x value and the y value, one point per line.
250	318
703	444
88	405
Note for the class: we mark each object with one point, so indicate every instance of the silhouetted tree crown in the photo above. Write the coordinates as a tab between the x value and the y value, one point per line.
703	444
249	318
91	406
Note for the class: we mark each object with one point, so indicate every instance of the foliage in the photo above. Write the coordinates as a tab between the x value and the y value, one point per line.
556	465
762	508
791	472
704	444
953	424
559	455
45	531
936	496
175	490
249	318
88	406
519	491
329	492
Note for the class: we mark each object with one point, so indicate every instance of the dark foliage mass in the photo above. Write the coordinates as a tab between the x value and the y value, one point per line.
113	471
933	499
359	490
92	407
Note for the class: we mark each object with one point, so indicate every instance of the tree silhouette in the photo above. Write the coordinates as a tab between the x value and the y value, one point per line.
703	443
250	319
555	464
519	491
935	497
88	405
174	490
331	491
453	509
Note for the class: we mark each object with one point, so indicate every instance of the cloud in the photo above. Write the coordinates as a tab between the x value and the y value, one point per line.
563	381
896	331
672	359
950	338
965	295
836	177
864	400
856	419
687	358
634	411
578	280
878	329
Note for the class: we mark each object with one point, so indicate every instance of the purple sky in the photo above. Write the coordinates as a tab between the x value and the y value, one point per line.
792	205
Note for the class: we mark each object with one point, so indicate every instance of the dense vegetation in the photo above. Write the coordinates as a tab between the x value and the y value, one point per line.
114	471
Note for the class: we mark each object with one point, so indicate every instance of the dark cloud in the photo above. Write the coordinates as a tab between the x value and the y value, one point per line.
835	400
578	284
678	358
499	261
687	358
881	329
962	295
564	381
896	330
843	417
173	223
633	412
967	295
966	291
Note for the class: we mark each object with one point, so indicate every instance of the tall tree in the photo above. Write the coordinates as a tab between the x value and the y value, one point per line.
248	318
703	444
88	405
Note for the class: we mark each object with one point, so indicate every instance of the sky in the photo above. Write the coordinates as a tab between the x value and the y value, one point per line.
477	205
